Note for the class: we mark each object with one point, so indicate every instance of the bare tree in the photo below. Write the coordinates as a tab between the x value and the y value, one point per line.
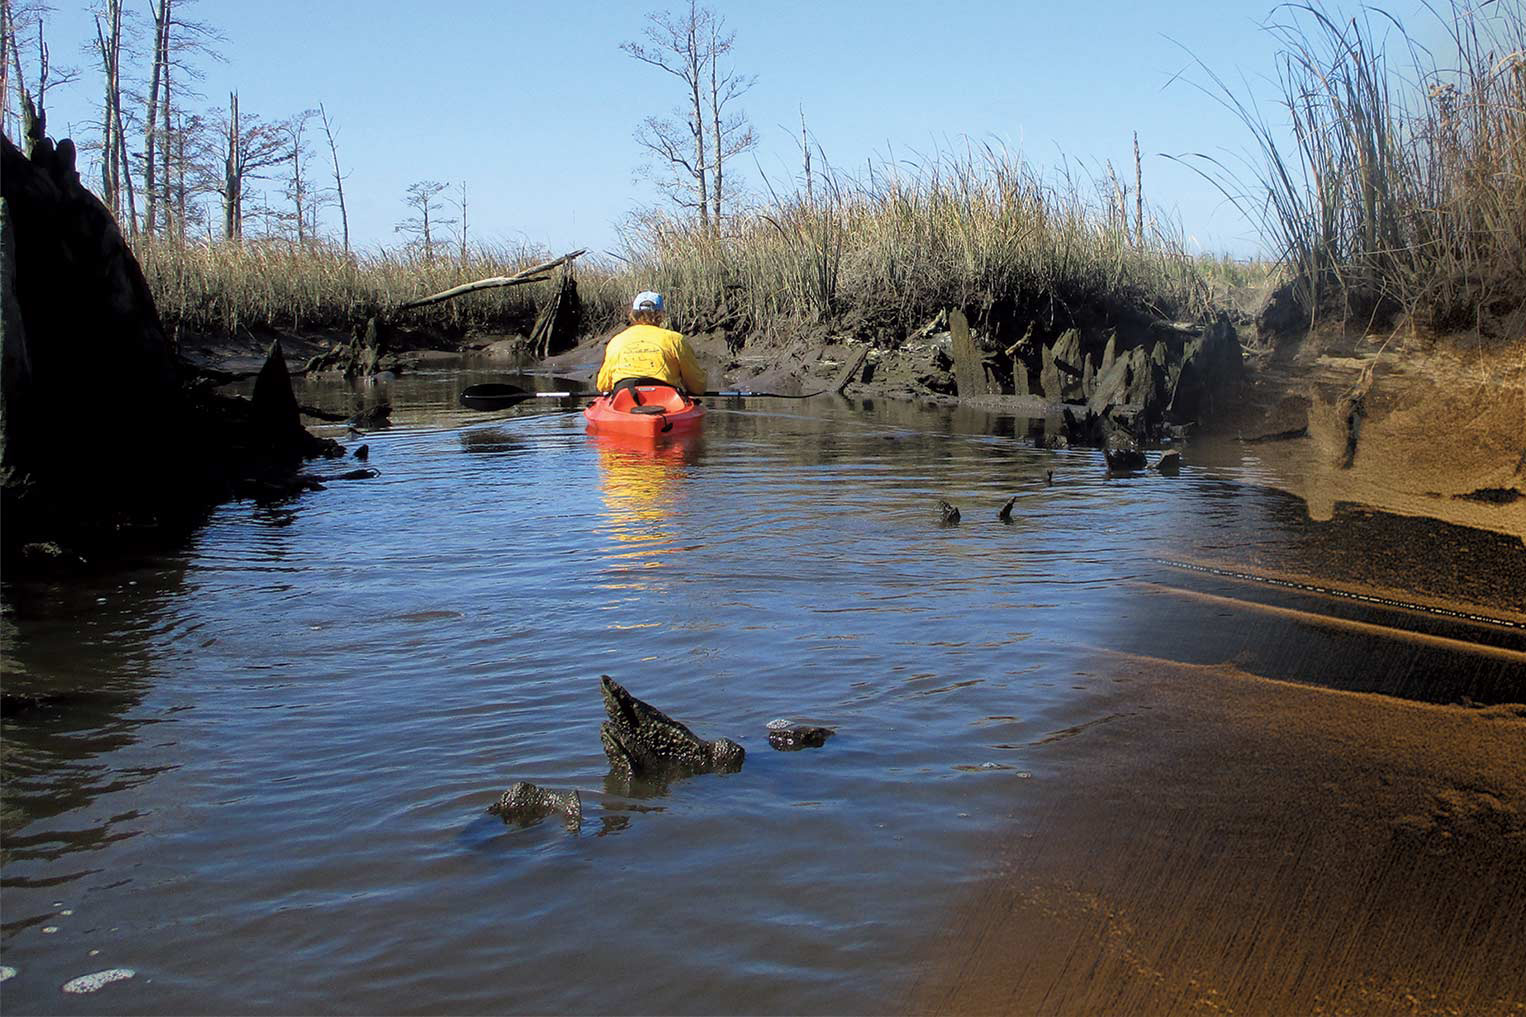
15	19
185	179
32	111
176	42
674	46
192	167
7	35
9	54
421	197
730	133
461	233
249	146
161	12
691	47
115	168
300	192
344	216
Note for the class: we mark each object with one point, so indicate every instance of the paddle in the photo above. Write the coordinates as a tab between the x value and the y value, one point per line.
494	396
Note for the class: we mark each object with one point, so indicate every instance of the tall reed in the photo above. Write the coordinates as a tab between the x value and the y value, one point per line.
1404	188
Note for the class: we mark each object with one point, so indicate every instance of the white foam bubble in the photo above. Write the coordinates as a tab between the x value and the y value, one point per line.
92	982
7	972
780	724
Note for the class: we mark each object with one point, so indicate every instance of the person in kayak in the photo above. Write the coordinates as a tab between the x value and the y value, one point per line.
647	353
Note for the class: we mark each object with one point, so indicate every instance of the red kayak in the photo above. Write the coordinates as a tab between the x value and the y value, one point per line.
645	411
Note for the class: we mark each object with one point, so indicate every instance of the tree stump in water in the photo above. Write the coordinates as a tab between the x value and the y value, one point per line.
970	374
556	327
92	393
101	426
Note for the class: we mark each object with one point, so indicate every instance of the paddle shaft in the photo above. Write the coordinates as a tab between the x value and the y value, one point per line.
719	394
507	397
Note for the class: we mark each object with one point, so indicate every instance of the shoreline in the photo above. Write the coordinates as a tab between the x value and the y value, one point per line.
1442	434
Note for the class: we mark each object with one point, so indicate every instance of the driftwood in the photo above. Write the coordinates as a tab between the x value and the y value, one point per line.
529	275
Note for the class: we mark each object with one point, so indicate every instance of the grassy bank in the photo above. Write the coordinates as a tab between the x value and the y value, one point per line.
885	253
878	257
1404	190
222	288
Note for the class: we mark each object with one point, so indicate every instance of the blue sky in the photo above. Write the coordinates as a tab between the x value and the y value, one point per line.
534	105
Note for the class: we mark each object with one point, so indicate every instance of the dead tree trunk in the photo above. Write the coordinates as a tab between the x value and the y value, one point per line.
116	170
463	224
150	123
1138	196
5	61
233	224
179	143
716	133
126	171
344	216
180	188
696	66
109	189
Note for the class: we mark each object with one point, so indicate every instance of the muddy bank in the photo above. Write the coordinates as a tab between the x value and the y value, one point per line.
1429	427
1434	428
1409	425
1213	841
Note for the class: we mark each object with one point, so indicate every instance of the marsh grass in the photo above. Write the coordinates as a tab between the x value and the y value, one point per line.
225	287
885	254
980	230
1404	188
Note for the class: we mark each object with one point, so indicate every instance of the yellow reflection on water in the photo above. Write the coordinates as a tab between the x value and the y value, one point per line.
641	481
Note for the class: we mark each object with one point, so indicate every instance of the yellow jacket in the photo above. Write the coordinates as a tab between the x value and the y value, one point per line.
646	351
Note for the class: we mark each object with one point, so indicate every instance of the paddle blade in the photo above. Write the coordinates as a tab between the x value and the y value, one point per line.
497	396
493	396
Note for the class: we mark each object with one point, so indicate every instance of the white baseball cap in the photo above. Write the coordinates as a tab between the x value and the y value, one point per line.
647	300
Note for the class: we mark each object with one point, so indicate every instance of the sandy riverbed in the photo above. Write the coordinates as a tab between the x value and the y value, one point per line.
1217	842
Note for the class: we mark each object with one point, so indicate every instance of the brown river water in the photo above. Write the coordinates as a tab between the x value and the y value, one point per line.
253	770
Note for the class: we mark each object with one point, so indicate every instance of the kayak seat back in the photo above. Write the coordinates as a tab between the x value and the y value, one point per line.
646	399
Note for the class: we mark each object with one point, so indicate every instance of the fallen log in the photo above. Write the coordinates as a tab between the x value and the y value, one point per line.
529	275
